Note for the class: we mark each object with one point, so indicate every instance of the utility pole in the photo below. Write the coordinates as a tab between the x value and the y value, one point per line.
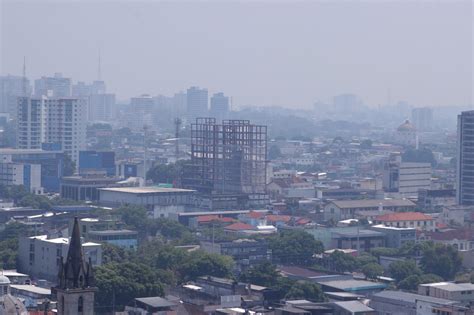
145	131
177	123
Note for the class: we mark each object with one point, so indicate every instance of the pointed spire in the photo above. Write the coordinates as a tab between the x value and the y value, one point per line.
75	272
74	253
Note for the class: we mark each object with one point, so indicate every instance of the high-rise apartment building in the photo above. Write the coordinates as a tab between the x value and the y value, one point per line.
82	89
59	121
219	105
422	118
11	87
56	86
465	159
101	107
197	102
143	103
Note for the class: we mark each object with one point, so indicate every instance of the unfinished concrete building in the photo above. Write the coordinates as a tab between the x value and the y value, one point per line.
228	163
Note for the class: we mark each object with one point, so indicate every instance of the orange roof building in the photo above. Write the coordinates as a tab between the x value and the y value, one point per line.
415	220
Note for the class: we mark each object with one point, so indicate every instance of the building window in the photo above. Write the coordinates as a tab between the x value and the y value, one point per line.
80	305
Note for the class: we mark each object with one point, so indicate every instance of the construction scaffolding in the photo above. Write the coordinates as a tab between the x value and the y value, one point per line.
227	158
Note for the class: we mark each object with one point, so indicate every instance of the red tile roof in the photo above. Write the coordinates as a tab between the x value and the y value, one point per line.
461	234
278	218
210	218
303	221
239	226
207	218
255	215
227	220
403	216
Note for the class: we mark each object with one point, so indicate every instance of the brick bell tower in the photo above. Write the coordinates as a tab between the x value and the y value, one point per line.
75	290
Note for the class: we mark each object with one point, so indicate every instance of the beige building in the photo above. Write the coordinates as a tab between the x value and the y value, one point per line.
346	209
416	220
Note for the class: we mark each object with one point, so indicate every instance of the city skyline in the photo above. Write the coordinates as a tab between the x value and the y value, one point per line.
287	62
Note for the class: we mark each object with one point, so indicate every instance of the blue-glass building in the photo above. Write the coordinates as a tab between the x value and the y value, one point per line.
52	164
92	160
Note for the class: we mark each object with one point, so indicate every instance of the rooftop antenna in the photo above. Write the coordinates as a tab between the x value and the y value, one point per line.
24	77
99	70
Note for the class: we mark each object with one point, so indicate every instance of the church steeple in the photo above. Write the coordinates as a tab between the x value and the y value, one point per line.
75	290
75	273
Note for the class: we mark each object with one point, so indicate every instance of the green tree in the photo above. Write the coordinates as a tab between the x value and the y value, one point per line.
69	166
114	254
430	278
441	260
123	282
264	274
423	155
8	253
167	173
306	290
366	258
136	217
400	270
35	201
200	263
294	246
384	251
410	283
372	270
9	243
341	262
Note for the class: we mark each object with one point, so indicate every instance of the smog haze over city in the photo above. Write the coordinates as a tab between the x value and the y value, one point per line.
262	53
236	157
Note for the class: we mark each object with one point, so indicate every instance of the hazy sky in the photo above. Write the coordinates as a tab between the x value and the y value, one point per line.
263	53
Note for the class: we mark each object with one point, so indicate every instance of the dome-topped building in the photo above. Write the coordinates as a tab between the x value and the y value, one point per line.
406	134
9	304
407	126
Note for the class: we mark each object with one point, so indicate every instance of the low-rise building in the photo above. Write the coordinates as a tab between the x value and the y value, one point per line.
360	239
462	292
406	178
361	287
86	187
436	199
346	209
122	238
416	220
32	295
160	202
152	305
396	237
40	256
50	163
27	175
245	252
405	303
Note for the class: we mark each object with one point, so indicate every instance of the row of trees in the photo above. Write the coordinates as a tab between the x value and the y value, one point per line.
9	244
126	274
23	198
266	274
438	262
